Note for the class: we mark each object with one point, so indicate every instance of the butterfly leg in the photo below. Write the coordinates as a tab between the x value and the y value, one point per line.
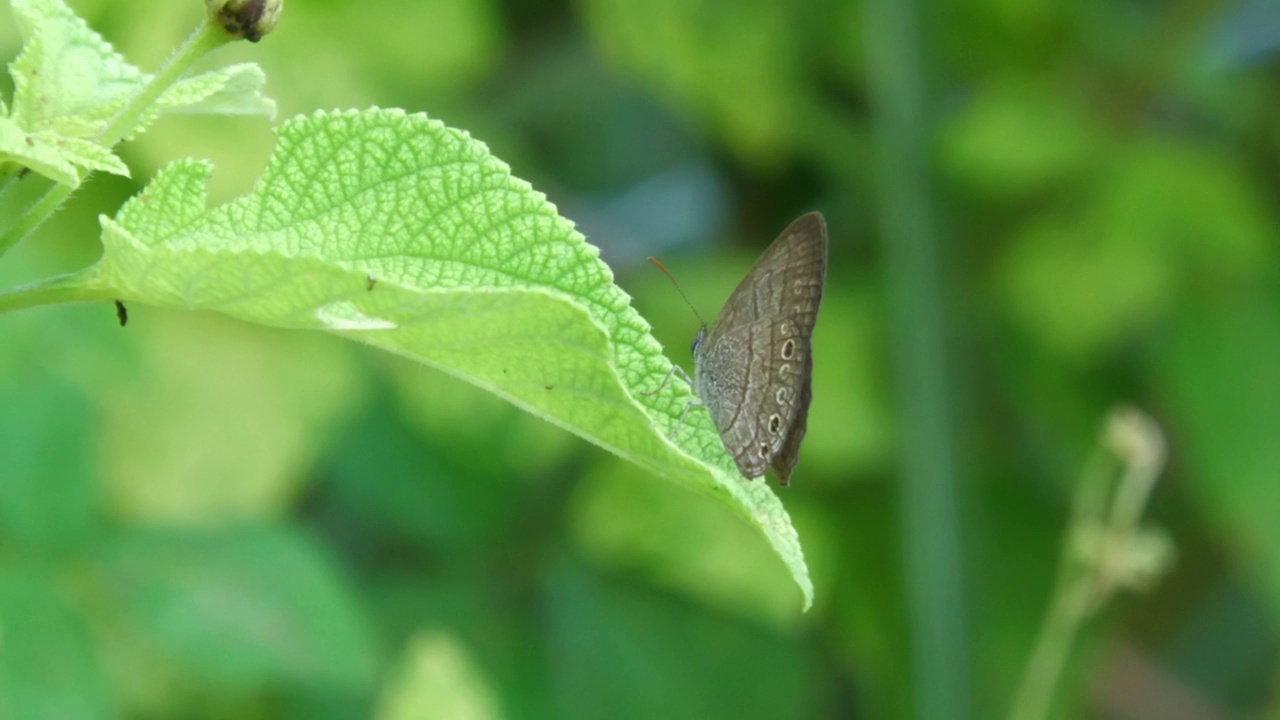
674	369
695	402
680	423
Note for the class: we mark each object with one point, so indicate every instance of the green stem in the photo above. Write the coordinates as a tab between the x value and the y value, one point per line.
1073	594
1106	510
914	277
34	216
207	37
76	287
1067	613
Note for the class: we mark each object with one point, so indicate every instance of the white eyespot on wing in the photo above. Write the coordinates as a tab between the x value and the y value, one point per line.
788	350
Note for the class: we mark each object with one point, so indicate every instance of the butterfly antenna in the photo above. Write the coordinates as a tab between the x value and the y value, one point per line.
672	278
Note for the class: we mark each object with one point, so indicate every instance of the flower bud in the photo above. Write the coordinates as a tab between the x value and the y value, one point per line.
248	19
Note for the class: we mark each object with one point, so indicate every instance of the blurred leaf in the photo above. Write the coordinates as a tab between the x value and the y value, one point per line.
483	280
1168	218
1017	137
1078	293
424	45
214	421
622	653
239	609
868	613
1196	204
739	67
476	432
438	679
1220	372
426	52
1009	597
47	664
48	497
492	607
619	520
985	39
850	423
408	486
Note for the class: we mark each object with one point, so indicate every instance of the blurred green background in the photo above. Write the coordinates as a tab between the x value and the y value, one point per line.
200	518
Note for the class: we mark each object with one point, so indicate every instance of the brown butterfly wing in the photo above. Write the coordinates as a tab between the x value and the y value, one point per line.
755	367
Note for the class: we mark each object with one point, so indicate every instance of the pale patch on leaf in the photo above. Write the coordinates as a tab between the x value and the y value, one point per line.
343	315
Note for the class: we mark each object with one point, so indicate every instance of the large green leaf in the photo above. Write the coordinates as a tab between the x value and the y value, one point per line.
396	231
239	609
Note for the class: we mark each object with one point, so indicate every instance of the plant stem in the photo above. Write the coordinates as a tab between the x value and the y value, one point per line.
1105	514
76	287
914	280
34	216
1073	594
1067	613
206	37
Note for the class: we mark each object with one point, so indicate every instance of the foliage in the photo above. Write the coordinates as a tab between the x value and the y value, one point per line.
200	515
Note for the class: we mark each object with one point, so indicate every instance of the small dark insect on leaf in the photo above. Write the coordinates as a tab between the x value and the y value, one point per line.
30	142
549	387
24	172
122	314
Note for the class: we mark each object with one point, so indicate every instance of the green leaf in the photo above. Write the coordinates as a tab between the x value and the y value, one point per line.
53	155
1077	292
296	387
232	90
739	67
610	646
1201	207
398	232
619	520
1218	372
48	498
47	663
439	679
239	609
415	496
1169	219
1017	137
67	77
70	81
